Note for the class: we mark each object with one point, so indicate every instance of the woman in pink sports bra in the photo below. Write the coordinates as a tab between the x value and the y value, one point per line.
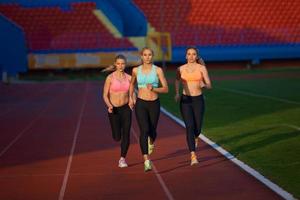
116	98
194	77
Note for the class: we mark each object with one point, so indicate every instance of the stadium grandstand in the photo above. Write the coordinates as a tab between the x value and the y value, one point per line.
88	34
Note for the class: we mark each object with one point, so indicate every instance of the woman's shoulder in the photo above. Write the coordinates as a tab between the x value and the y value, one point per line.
109	77
181	67
157	67
127	75
134	69
201	67
159	70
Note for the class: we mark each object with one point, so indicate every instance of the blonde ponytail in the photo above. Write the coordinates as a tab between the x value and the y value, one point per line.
111	68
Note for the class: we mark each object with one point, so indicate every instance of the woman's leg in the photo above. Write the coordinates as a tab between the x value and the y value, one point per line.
126	125
188	118
114	120
154	112
198	109
143	122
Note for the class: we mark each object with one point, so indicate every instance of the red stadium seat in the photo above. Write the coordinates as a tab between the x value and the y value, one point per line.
265	19
63	29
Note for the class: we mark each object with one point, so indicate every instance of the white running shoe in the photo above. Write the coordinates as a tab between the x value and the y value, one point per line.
194	160
122	163
147	165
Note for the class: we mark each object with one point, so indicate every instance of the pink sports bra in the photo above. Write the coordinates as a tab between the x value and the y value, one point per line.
117	85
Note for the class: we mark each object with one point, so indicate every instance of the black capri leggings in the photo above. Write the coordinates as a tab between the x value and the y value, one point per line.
192	111
147	115
120	122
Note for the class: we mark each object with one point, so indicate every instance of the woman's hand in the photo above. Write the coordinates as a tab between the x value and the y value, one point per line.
131	103
110	109
150	87
202	84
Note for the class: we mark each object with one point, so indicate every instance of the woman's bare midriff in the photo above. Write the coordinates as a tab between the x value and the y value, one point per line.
119	98
147	94
192	89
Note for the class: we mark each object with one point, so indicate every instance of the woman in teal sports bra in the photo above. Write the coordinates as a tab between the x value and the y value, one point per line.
147	106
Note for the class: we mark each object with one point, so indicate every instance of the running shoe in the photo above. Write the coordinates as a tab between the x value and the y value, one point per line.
194	160
147	165
122	163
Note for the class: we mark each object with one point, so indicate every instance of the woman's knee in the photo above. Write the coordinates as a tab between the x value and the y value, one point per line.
117	137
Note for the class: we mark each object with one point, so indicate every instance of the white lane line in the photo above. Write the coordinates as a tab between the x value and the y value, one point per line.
27	127
241	164
258	95
22	132
160	179
67	173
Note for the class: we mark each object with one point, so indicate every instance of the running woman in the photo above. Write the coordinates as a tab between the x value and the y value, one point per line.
194	77
116	98
150	81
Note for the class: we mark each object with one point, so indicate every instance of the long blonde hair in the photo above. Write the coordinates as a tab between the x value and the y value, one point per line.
113	67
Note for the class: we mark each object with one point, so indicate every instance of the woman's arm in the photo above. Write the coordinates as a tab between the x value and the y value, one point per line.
105	95
177	85
207	83
132	96
164	85
134	93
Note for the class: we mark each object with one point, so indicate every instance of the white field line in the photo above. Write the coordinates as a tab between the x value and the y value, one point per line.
291	126
258	95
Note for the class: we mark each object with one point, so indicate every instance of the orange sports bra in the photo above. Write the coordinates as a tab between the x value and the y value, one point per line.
117	85
192	76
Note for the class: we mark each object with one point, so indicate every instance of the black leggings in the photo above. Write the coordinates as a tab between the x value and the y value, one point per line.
120	122
147	115
192	111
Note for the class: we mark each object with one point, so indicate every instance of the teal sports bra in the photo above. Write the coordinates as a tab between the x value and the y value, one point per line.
144	79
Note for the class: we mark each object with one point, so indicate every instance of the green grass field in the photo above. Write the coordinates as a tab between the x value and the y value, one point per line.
255	115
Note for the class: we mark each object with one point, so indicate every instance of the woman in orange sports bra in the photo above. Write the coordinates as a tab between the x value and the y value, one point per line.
116	98
194	77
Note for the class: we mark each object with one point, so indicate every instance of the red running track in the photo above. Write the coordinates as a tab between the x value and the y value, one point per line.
58	145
